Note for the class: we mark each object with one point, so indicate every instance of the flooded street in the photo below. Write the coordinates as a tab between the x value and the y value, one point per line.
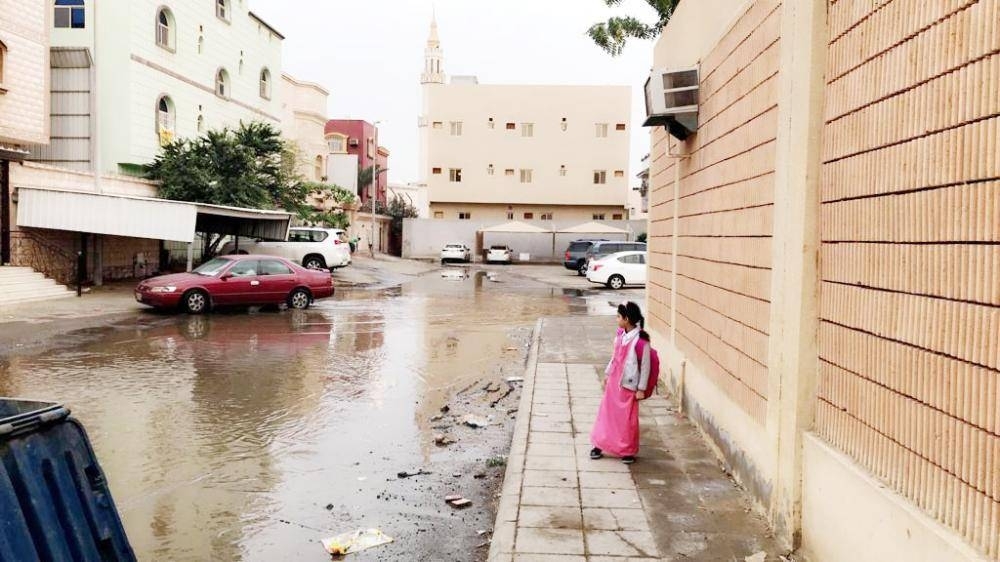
252	435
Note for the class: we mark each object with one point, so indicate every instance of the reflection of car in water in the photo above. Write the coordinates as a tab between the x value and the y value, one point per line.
455	274
237	280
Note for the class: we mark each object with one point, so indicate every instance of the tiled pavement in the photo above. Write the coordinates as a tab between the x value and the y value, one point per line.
558	505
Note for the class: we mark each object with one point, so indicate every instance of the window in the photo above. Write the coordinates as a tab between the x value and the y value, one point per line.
439	214
527	129
274	267
456	128
455	175
437	125
598	216
70	14
240	69
201	123
464	216
620	127
562	170
3	55
165	29
245	268
511	126
165	120
619	173
222	9
600	177
529	216
616	217
489	170
318	168
546	216
525	176
371	148
265	84
337	144
490	123
222	83
510	215
201	44
305	235
602	130
630	259
508	172
435	170
564	124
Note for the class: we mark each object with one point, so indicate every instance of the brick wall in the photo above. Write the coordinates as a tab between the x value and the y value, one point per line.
24	107
53	252
910	260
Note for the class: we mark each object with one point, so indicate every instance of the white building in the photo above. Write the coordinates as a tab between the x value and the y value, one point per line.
303	106
524	152
143	72
413	193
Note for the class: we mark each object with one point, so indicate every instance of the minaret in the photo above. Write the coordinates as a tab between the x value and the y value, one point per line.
433	57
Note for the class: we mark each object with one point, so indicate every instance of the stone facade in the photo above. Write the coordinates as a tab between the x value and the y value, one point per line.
24	84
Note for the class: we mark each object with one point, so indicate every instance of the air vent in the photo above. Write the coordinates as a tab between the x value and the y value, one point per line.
672	101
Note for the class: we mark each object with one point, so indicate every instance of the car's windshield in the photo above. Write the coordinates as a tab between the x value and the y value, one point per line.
212	267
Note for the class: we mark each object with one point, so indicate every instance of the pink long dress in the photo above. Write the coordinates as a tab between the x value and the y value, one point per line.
616	430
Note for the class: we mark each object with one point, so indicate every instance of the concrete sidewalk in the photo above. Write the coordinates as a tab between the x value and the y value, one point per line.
558	505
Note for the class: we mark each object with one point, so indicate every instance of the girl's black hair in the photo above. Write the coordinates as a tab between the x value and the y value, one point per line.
631	312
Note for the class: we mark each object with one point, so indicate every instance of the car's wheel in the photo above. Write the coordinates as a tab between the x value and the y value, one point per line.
299	299
195	302
314	262
616	282
581	268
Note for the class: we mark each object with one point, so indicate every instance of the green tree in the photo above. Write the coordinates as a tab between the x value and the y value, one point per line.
325	193
614	33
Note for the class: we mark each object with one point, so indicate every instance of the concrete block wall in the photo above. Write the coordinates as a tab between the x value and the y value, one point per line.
24	107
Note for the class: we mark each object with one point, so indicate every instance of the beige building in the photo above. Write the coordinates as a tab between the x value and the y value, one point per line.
524	152
303	117
825	264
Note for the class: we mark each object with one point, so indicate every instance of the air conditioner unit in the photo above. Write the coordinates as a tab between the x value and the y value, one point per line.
353	142
672	101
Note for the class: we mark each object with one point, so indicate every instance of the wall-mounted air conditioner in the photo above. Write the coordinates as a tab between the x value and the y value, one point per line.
672	101
353	142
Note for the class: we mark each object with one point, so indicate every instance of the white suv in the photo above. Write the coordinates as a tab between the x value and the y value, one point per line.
314	248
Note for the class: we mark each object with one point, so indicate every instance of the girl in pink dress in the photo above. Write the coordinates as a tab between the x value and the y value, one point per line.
616	430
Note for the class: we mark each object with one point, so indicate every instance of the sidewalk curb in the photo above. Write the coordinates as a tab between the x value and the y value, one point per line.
504	529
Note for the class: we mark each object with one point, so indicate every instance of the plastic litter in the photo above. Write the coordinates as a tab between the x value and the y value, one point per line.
349	543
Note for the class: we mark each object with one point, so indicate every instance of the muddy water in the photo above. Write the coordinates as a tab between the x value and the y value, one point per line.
250	436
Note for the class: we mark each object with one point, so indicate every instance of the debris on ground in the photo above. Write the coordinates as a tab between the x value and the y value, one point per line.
445	409
329	507
496	461
492	387
442	440
460	503
409	473
757	557
349	543
510	349
452	498
437	417
479	475
475	422
514	380
457	475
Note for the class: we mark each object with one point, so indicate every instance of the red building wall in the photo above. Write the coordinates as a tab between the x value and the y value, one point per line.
361	137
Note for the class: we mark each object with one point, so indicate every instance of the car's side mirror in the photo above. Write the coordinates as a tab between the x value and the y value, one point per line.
226	276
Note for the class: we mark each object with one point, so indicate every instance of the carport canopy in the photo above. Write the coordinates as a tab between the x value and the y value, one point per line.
515	227
593	228
143	217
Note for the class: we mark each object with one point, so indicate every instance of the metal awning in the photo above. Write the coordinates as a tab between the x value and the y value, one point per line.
142	217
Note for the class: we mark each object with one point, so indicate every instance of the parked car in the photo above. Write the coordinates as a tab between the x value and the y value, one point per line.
618	270
237	280
603	249
499	254
313	248
456	252
576	255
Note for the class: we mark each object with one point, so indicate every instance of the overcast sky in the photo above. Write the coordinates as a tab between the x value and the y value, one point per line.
369	55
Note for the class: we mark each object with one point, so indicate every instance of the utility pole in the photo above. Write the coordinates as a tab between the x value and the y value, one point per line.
373	192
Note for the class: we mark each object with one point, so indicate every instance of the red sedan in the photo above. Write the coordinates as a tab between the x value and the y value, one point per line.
237	280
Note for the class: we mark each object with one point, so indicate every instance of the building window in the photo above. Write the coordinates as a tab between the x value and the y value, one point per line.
455	175
490	123
600	176
70	14
619	173
602	130
510	215
265	84
201	123
3	55
165	29
562	170
439	214
546	216
371	148
529	216
438	125
527	129
598	216
165	120
489	170
564	124
525	176
508	172
222	83
222	9
616	217
201	44
337	143
511	126
456	128
435	170
464	216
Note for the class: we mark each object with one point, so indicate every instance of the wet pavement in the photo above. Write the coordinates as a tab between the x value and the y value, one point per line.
252	435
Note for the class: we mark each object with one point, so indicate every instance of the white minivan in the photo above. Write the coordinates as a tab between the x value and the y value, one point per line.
314	248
